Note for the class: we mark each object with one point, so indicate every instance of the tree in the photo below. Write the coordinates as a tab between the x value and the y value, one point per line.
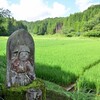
4	13
8	24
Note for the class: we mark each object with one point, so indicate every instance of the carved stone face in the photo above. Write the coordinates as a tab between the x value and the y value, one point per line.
23	56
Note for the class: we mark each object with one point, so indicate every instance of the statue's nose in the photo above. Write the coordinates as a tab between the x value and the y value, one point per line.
24	55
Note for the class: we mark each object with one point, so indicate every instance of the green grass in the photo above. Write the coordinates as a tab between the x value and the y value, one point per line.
61	60
55	92
3	41
91	79
65	57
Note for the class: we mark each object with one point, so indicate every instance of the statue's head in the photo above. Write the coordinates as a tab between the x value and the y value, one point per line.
24	48
24	52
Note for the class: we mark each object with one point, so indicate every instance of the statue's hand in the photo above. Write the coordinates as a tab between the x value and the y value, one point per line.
31	76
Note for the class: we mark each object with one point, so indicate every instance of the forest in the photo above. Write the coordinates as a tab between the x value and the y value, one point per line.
86	23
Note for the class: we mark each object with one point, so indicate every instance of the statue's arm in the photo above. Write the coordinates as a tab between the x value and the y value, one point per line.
32	71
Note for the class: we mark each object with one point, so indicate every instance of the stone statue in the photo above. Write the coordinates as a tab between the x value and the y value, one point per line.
20	59
34	94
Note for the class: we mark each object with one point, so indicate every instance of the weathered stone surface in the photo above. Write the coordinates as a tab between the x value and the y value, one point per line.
34	94
20	59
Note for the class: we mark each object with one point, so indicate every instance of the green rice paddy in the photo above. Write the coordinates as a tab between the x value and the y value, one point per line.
63	60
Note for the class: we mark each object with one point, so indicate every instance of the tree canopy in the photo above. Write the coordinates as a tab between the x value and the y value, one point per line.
8	24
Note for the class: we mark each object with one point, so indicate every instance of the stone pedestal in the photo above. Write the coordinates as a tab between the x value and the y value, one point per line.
37	89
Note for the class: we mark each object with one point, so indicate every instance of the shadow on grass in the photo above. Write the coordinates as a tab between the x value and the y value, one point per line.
2	69
47	72
54	74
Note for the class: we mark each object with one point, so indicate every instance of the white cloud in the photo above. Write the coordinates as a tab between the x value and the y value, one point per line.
84	4
32	10
58	10
3	4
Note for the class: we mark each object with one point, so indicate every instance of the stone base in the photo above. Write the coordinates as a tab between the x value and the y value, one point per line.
19	93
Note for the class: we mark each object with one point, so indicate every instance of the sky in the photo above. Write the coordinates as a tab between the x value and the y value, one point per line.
33	10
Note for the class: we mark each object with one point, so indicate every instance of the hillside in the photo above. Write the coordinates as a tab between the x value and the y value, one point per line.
85	23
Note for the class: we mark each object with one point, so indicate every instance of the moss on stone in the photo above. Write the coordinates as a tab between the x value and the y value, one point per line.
19	93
